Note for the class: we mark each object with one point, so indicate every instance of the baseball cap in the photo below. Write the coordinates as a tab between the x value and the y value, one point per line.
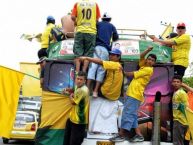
51	18
41	60
181	24
115	51
106	16
172	35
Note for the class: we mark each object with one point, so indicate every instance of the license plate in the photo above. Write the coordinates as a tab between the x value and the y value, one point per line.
105	143
19	126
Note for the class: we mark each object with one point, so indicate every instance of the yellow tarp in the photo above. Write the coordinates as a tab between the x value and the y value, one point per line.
55	110
10	81
189	115
31	85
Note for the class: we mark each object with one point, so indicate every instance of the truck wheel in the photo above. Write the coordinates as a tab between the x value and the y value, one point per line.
5	140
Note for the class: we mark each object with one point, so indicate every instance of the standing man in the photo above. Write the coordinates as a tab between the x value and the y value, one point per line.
106	33
180	102
76	124
181	47
85	15
135	96
46	37
112	84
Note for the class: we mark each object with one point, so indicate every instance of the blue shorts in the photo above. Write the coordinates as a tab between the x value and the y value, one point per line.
129	114
96	72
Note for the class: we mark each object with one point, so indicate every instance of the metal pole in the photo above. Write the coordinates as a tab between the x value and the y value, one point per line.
156	120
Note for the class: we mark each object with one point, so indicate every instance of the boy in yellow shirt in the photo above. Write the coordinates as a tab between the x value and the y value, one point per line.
76	124
179	102
135	96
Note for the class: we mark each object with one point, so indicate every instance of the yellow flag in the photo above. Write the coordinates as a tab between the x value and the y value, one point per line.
167	31
10	81
31	85
189	115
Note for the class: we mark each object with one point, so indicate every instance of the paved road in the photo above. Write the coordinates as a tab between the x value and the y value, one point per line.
13	142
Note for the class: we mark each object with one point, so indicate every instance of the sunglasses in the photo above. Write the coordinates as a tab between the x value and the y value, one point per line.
181	27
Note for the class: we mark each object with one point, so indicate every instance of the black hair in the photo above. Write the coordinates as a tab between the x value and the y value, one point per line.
82	74
106	19
152	56
50	21
178	77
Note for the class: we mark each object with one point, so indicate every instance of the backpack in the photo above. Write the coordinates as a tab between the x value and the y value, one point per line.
57	33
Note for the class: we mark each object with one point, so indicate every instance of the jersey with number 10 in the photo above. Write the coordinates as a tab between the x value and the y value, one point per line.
87	14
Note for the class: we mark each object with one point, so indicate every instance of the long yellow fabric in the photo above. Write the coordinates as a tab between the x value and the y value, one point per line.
189	115
55	110
10	81
30	85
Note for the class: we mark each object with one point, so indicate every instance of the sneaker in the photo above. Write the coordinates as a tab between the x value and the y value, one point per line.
95	94
137	138
117	138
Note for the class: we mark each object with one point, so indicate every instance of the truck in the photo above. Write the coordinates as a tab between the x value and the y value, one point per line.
59	74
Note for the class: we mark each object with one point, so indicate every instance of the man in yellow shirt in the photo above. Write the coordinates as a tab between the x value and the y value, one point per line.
85	15
76	124
112	84
46	37
179	102
135	96
181	46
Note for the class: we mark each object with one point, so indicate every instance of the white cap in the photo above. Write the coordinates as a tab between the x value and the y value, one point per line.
106	16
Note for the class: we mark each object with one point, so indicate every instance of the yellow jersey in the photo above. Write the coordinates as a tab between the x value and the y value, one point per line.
111	87
45	38
180	53
140	80
79	112
179	96
87	13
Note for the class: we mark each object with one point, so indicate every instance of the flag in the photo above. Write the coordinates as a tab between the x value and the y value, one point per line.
30	37
54	114
31	85
167	31
189	115
10	81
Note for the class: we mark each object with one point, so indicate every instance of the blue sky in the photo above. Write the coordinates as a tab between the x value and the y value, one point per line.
29	16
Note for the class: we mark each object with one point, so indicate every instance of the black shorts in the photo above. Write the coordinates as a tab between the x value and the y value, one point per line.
179	70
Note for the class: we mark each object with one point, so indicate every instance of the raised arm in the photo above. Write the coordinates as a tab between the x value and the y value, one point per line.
186	87
164	42
143	54
94	60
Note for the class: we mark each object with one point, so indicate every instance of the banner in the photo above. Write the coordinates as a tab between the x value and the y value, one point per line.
54	114
61	50
130	49
31	85
163	53
10	81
